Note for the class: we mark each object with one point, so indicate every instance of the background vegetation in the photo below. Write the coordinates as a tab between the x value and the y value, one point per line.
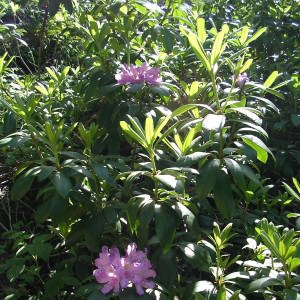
200	169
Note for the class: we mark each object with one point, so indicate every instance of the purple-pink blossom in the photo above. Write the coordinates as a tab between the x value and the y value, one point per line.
242	79
138	74
117	272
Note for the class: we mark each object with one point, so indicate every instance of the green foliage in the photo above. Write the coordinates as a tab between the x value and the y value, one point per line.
88	162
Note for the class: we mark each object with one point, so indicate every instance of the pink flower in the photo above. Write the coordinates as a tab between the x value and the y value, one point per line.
140	268
134	74
242	79
118	272
109	269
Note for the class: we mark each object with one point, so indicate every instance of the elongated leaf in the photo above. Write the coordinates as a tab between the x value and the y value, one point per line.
170	181
41	88
52	73
65	72
207	178
291	192
266	101
255	127
216	49
258	145
21	187
15	271
199	51
165	226
275	93
137	126
149	129
214	122
194	88
244	34
270	80
236	172
246	65
201	30
257	34
221	295
223	195
188	140
182	109
249	113
62	184
296	183
159	127
262	283
191	159
178	141
128	130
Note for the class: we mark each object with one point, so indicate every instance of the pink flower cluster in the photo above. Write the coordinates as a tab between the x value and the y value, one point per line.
242	79
117	272
134	74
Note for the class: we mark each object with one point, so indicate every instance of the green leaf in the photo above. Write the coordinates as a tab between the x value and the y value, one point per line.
223	195
40	250
191	159
15	271
165	226
167	271
41	88
161	90
203	286
52	73
289	294
170	181
182	109
45	172
65	72
294	263
249	113
198	50
207	178
244	34
62	184
275	93
221	295
270	80
197	255
255	36
21	187
262	283
291	192
135	136
258	145
201	30
9	123
137	126
149	129
194	89
185	214
188	140
217	47
296	183
213	122
236	172
246	65
159	127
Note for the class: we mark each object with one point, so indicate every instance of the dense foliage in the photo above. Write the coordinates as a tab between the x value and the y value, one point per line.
171	127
